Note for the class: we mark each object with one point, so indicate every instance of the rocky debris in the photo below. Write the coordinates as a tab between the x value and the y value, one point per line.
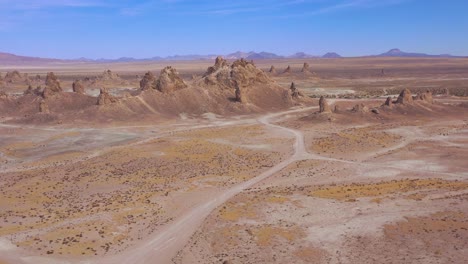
295	93
43	107
241	73
360	108
272	70
105	97
389	101
148	81
170	81
78	87
426	97
405	97
323	105
287	70
52	86
375	111
306	68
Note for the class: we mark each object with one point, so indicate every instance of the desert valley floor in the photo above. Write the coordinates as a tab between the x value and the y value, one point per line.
230	164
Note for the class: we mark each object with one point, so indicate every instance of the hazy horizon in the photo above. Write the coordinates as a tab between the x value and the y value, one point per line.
147	28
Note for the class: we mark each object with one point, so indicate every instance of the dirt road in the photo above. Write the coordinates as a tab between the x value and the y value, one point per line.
162	247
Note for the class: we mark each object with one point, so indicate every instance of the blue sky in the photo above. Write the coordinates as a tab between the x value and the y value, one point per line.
147	28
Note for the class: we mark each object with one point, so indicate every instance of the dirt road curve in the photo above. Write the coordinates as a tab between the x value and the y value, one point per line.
164	246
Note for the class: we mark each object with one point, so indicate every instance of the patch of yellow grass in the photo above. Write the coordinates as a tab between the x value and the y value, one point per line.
264	235
357	190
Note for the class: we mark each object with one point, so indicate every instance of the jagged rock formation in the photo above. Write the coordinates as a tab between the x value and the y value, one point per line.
105	97
405	97
169	81
389	101
43	107
241	73
295	93
52	86
78	87
426	97
148	81
2	83
323	105
108	75
272	70
306	68
32	91
287	70
13	77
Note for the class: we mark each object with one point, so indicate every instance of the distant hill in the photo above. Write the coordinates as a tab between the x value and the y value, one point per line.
399	53
263	56
331	55
301	55
11	59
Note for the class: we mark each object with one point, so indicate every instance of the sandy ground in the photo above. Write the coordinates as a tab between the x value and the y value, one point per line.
286	187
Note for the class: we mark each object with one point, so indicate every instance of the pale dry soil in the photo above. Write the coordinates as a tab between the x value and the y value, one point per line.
392	192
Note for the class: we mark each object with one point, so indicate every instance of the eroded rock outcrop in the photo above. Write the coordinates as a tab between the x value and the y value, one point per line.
169	81
389	101
241	73
105	97
239	95
360	108
14	77
306	68
148	81
287	70
52	86
323	105
272	70
405	97
78	87
426	97
295	93
43	107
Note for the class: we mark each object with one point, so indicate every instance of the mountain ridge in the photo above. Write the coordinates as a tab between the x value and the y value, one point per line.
12	59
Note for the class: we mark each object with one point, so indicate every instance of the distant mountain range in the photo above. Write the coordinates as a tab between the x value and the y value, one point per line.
12	59
399	53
